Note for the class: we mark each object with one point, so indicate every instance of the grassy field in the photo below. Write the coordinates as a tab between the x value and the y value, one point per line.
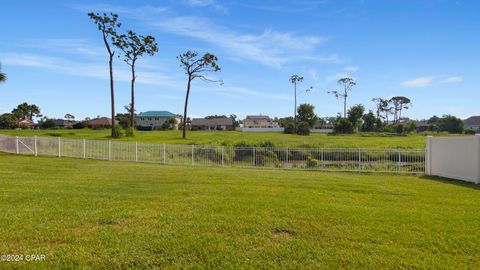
103	215
230	138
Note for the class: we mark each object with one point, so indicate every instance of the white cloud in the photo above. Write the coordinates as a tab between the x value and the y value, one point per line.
269	48
418	82
90	69
428	81
208	3
77	46
140	12
351	69
454	79
339	75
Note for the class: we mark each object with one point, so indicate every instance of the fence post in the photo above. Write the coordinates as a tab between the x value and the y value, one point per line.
193	155
59	147
399	160
16	145
323	161
254	156
286	157
109	150
84	149
164	155
223	158
478	151
360	158
428	156
136	151
35	144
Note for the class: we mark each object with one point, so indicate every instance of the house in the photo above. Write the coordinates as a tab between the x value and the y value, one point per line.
422	125
473	123
101	122
27	124
259	121
155	119
214	123
63	122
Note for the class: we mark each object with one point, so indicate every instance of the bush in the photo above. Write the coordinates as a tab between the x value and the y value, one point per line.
303	128
399	129
267	144
312	163
343	126
469	132
49	123
129	132
289	128
79	125
118	132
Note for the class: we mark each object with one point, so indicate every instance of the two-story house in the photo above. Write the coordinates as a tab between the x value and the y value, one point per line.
155	119
259	121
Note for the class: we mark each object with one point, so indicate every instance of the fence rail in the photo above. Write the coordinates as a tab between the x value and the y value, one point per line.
326	159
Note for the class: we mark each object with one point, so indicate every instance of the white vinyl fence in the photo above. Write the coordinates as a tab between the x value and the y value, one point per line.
327	159
454	157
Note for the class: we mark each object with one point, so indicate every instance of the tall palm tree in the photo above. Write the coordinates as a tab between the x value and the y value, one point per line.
3	76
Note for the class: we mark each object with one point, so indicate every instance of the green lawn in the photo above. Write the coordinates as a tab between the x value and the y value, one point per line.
230	138
98	214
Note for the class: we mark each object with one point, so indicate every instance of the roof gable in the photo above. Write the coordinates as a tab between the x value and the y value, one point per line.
473	120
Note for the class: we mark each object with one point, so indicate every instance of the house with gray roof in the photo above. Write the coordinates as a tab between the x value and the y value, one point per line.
213	123
155	119
472	123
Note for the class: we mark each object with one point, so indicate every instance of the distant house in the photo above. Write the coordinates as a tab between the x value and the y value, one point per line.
422	125
259	121
155	119
473	123
63	122
102	122
27	124
216	123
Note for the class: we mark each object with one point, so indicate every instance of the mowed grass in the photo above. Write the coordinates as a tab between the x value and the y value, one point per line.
231	138
90	214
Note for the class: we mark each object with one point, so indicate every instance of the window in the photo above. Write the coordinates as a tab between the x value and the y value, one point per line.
149	118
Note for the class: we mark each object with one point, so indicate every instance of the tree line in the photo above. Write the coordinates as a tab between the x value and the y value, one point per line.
387	116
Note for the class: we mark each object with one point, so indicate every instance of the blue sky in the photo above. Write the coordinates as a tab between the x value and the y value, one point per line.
428	50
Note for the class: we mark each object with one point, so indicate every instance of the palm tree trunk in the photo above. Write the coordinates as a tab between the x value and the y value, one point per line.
295	109
345	106
112	95
184	133
132	104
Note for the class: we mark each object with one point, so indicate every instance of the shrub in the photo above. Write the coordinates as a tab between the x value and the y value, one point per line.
469	132
267	144
129	132
79	125
343	126
399	129
49	123
118	132
289	128
312	163
303	128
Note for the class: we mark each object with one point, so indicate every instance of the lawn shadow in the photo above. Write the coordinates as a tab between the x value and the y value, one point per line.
451	181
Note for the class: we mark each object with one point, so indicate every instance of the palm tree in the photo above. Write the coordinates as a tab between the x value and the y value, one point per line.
3	76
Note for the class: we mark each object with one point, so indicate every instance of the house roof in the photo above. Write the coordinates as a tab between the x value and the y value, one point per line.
257	116
156	114
473	120
100	121
220	121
